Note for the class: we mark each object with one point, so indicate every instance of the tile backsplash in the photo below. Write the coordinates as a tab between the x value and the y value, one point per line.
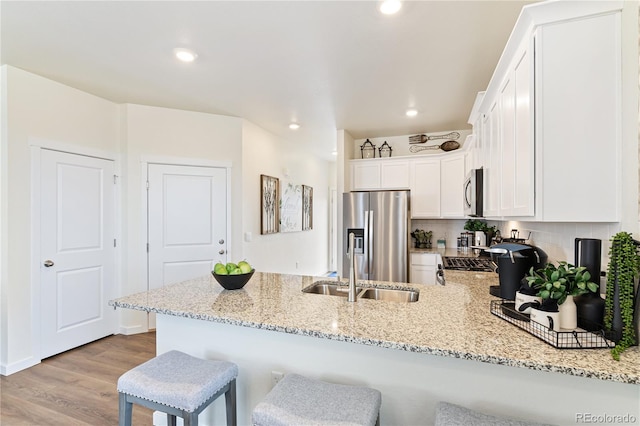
556	239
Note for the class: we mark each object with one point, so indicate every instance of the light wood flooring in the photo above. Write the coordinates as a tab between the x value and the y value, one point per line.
77	387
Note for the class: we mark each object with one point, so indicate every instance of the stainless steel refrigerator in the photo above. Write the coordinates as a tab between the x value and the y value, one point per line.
380	222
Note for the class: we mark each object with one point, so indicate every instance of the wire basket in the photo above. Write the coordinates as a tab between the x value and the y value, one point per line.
570	339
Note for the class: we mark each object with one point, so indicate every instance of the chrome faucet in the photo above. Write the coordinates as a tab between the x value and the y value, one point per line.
352	268
440	275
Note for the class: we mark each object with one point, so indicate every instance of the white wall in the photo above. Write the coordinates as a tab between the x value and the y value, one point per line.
400	144
36	108
151	134
304	252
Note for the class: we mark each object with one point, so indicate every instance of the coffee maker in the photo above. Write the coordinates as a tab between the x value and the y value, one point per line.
514	262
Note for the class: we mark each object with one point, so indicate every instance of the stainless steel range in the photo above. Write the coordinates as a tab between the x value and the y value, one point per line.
478	264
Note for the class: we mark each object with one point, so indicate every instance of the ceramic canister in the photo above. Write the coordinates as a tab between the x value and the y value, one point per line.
524	302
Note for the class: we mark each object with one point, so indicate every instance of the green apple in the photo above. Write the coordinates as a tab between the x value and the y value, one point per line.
220	269
244	267
231	266
236	271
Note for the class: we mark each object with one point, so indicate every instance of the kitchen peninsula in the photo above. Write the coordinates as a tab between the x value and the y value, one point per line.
446	346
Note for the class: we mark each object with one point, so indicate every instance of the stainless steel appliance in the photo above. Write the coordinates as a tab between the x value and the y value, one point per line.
473	193
379	221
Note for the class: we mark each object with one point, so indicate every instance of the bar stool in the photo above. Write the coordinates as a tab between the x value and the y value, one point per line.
179	385
298	400
448	414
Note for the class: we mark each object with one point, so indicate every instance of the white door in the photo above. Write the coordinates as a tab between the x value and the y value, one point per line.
77	238
187	217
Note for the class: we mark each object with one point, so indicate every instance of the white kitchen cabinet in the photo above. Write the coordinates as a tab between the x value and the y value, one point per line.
522	201
425	188
365	175
516	138
424	267
550	123
492	171
394	174
578	120
452	186
379	174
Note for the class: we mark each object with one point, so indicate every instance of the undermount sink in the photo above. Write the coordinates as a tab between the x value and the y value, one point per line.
389	295
330	288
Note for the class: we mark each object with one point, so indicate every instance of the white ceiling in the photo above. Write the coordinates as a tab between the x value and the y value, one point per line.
325	64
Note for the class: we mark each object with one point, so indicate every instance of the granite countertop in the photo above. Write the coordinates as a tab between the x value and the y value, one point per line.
452	321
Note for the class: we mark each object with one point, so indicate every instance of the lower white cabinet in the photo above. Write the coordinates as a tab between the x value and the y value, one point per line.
424	267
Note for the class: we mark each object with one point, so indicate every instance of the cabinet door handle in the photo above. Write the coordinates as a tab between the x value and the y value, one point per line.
48	263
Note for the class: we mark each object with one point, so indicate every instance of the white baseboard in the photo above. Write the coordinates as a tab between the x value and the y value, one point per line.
127	331
14	367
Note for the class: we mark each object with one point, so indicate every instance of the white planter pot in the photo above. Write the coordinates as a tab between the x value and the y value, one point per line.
568	314
551	320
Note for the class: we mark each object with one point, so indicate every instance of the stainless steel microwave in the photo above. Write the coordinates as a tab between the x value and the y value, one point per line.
473	193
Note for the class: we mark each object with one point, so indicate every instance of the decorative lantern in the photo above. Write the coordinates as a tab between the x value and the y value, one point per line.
368	149
384	150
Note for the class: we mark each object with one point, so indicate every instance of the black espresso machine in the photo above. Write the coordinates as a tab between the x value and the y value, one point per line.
514	261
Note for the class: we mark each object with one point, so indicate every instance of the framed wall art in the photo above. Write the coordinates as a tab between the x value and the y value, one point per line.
307	208
269	208
291	208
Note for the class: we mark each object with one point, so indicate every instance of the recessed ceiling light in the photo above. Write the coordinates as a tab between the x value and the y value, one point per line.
294	126
412	112
185	55
389	7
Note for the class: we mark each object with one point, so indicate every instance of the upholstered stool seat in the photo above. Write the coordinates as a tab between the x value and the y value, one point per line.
179	385
298	400
454	415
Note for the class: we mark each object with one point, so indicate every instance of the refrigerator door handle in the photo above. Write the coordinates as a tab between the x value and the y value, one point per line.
370	266
365	246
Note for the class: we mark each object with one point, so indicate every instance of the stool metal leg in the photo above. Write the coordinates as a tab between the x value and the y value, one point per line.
125	410
230	400
171	420
190	419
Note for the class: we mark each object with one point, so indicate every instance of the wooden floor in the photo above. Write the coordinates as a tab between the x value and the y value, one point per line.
77	387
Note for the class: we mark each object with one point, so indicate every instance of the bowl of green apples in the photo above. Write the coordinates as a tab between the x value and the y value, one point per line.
233	276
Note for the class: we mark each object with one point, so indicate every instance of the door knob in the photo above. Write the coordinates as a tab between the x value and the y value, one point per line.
221	252
221	241
48	263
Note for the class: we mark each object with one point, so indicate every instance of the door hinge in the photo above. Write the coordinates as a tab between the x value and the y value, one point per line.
147	247
114	242
147	184
115	178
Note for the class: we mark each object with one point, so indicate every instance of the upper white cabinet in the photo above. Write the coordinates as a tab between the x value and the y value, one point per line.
436	181
437	186
394	174
550	120
425	188
578	119
382	173
452	182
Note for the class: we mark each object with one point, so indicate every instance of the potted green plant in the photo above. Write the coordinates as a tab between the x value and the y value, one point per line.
624	267
560	284
423	238
475	226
